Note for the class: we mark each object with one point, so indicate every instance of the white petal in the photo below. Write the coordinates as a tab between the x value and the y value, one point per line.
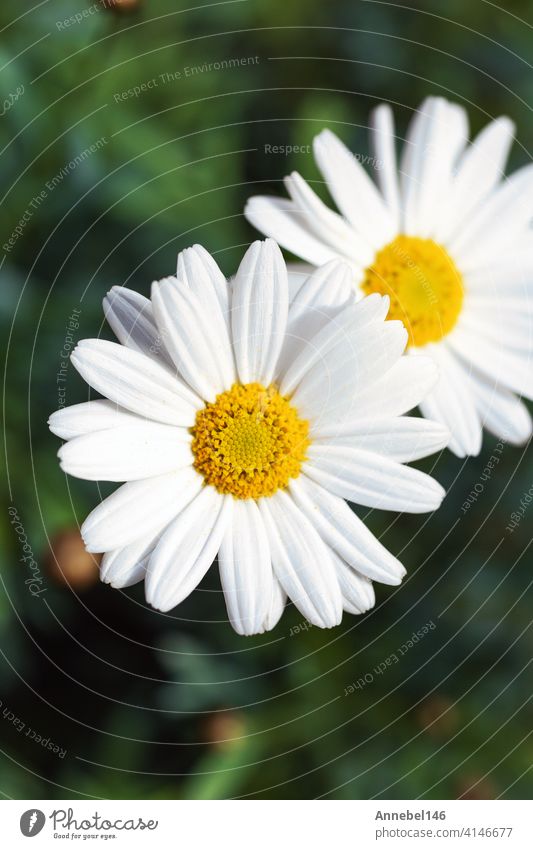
341	529
199	271
372	480
501	218
505	367
91	416
245	569
444	132
500	411
136	382
505	283
383	142
330	388
325	292
507	323
329	287
453	144
127	566
187	549
353	191
127	453
297	274
451	403
403	439
123	569
259	310
509	273
281	220
302	561
396	392
277	605
412	160
479	171
196	336
139	508
345	328
357	591
131	318
327	225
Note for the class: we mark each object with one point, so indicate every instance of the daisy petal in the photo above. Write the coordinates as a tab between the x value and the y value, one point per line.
383	142
127	453
505	367
126	566
187	549
281	220
196	336
301	561
277	605
297	274
446	138
502	217
412	160
329	389
479	171
357	591
245	569
500	411
122	568
352	189
341	529
396	392
372	480
327	225
344	329
139	508
131	318
451	403
507	325
89	417
403	439
260	306
505	282
136	382
329	287
325	292
199	271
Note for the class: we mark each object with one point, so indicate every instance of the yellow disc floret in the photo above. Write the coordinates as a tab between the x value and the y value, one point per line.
249	442
423	283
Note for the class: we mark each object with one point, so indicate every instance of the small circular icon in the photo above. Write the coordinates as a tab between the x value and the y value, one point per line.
32	822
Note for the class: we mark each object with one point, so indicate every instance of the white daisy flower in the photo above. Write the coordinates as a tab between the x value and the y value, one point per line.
448	240
240	421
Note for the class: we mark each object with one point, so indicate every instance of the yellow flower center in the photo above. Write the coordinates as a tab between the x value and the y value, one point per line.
423	283
249	442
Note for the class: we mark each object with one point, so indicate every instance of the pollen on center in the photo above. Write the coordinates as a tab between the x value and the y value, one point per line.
424	285
249	442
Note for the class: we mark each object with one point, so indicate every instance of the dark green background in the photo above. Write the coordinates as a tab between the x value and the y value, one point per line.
138	698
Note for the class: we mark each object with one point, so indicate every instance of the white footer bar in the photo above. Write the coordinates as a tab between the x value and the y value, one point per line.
267	824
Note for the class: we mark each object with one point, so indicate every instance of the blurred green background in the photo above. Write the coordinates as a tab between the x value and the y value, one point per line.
100	695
